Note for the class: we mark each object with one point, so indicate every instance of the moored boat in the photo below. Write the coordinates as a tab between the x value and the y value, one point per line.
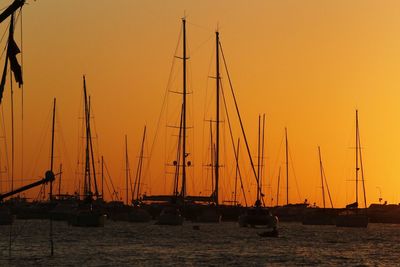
258	216
352	216
170	215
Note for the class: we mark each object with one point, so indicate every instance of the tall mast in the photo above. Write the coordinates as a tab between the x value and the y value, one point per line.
59	182
184	112
362	170
217	119
357	168
237	170
96	191
322	176
12	112
87	185
139	172
51	170
212	156
287	168
277	191
258	158
262	158
102	177
52	147
126	169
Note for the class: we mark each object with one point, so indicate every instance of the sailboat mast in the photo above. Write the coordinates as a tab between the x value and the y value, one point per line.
183	192
362	169
322	176
140	164
102	177
12	134
217	118
212	156
96	191
357	168
87	185
52	147
262	158
258	158
287	168
59	182
51	170
237	170
126	169
277	190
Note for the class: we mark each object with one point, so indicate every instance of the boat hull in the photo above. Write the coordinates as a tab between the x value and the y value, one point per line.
352	220
170	216
258	217
319	217
87	219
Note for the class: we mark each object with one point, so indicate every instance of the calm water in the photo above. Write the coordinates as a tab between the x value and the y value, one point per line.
127	244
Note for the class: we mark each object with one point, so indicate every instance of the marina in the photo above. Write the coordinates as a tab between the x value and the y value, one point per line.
151	153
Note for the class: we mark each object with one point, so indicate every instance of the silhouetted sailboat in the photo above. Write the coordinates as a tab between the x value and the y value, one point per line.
259	215
88	214
171	214
136	212
211	213
352	216
321	216
6	217
289	212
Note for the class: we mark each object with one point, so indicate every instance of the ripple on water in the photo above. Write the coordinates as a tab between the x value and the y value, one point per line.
127	244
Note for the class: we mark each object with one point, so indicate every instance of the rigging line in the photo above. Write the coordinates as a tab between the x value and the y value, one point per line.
233	142
12	131
205	108
109	177
327	187
238	113
5	142
2	37
41	143
22	67
80	170
201	27
163	106
362	169
63	146
22	100
277	160
197	48
295	177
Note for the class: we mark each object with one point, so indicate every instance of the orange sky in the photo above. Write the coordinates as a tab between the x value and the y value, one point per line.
306	64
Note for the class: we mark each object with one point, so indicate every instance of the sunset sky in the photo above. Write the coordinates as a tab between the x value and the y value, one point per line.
308	65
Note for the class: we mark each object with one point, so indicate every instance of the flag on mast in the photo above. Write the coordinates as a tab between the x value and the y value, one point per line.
12	52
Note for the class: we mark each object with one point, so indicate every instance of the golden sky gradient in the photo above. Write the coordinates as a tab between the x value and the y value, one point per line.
307	64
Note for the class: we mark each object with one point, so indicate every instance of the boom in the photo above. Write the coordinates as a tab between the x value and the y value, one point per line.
49	177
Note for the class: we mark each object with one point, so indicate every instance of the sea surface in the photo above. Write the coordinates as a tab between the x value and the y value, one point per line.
224	244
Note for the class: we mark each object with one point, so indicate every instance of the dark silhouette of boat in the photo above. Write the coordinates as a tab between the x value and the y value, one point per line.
384	213
258	216
170	215
90	212
321	216
353	216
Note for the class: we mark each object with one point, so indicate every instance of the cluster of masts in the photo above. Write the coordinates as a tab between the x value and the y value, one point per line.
182	161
